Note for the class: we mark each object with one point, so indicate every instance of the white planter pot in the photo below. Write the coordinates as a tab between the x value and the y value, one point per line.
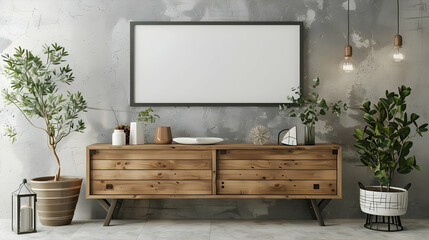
136	133
392	203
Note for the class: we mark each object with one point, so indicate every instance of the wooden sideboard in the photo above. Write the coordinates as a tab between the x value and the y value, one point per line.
153	171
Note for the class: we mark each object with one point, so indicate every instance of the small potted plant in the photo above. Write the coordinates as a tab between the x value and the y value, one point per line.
34	90
384	145
137	128
309	109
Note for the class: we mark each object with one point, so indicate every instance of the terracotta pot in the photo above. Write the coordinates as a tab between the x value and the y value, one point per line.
56	200
163	135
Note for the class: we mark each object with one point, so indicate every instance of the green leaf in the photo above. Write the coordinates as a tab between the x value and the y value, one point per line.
360	147
423	128
404	91
316	82
404	133
366	106
414	117
404	170
359	132
411	161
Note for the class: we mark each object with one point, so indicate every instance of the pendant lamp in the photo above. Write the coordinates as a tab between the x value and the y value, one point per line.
347	64
398	52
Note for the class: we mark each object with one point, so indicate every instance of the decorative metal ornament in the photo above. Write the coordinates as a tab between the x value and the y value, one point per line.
289	138
259	135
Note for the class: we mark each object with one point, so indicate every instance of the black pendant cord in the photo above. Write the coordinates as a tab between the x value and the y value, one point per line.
348	22
397	11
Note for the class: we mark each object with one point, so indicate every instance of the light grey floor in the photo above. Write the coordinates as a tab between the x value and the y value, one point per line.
343	229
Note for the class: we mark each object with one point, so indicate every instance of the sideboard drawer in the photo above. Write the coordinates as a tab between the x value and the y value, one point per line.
310	187
150	187
277	174
293	154
150	154
238	164
276	159
127	164
150	174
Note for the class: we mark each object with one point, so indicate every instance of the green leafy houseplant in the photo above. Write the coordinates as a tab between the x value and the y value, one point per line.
384	144
34	90
309	109
147	116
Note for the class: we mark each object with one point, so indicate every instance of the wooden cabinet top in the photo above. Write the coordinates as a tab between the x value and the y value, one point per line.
224	146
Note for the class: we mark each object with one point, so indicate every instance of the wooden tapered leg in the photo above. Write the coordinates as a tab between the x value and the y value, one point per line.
110	212
116	211
310	207
317	212
104	203
323	203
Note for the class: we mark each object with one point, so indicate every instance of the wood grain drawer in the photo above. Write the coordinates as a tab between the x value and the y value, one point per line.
151	164
150	187
277	164
150	174
277	174
276	154
276	187
150	154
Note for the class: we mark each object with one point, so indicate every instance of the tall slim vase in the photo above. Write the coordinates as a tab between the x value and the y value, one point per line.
309	135
137	133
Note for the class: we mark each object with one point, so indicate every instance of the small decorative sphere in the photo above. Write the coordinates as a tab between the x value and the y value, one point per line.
259	135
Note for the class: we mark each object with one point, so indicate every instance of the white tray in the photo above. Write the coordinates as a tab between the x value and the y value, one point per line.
197	140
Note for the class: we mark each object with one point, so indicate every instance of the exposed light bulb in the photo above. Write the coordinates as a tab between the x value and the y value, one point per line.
398	54
347	65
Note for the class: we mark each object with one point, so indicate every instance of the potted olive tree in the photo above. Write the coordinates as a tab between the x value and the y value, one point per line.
309	109
34	90
384	145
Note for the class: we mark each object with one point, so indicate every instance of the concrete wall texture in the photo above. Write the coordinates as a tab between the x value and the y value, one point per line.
96	34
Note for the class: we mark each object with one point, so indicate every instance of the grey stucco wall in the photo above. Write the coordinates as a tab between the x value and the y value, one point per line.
96	34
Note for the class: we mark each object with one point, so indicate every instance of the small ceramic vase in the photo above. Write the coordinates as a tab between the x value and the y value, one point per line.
136	133
118	137
163	135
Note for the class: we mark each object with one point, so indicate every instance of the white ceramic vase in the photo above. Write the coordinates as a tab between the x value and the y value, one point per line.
118	137
136	133
393	203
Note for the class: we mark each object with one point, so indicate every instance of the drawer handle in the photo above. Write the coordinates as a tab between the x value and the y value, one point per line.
109	186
